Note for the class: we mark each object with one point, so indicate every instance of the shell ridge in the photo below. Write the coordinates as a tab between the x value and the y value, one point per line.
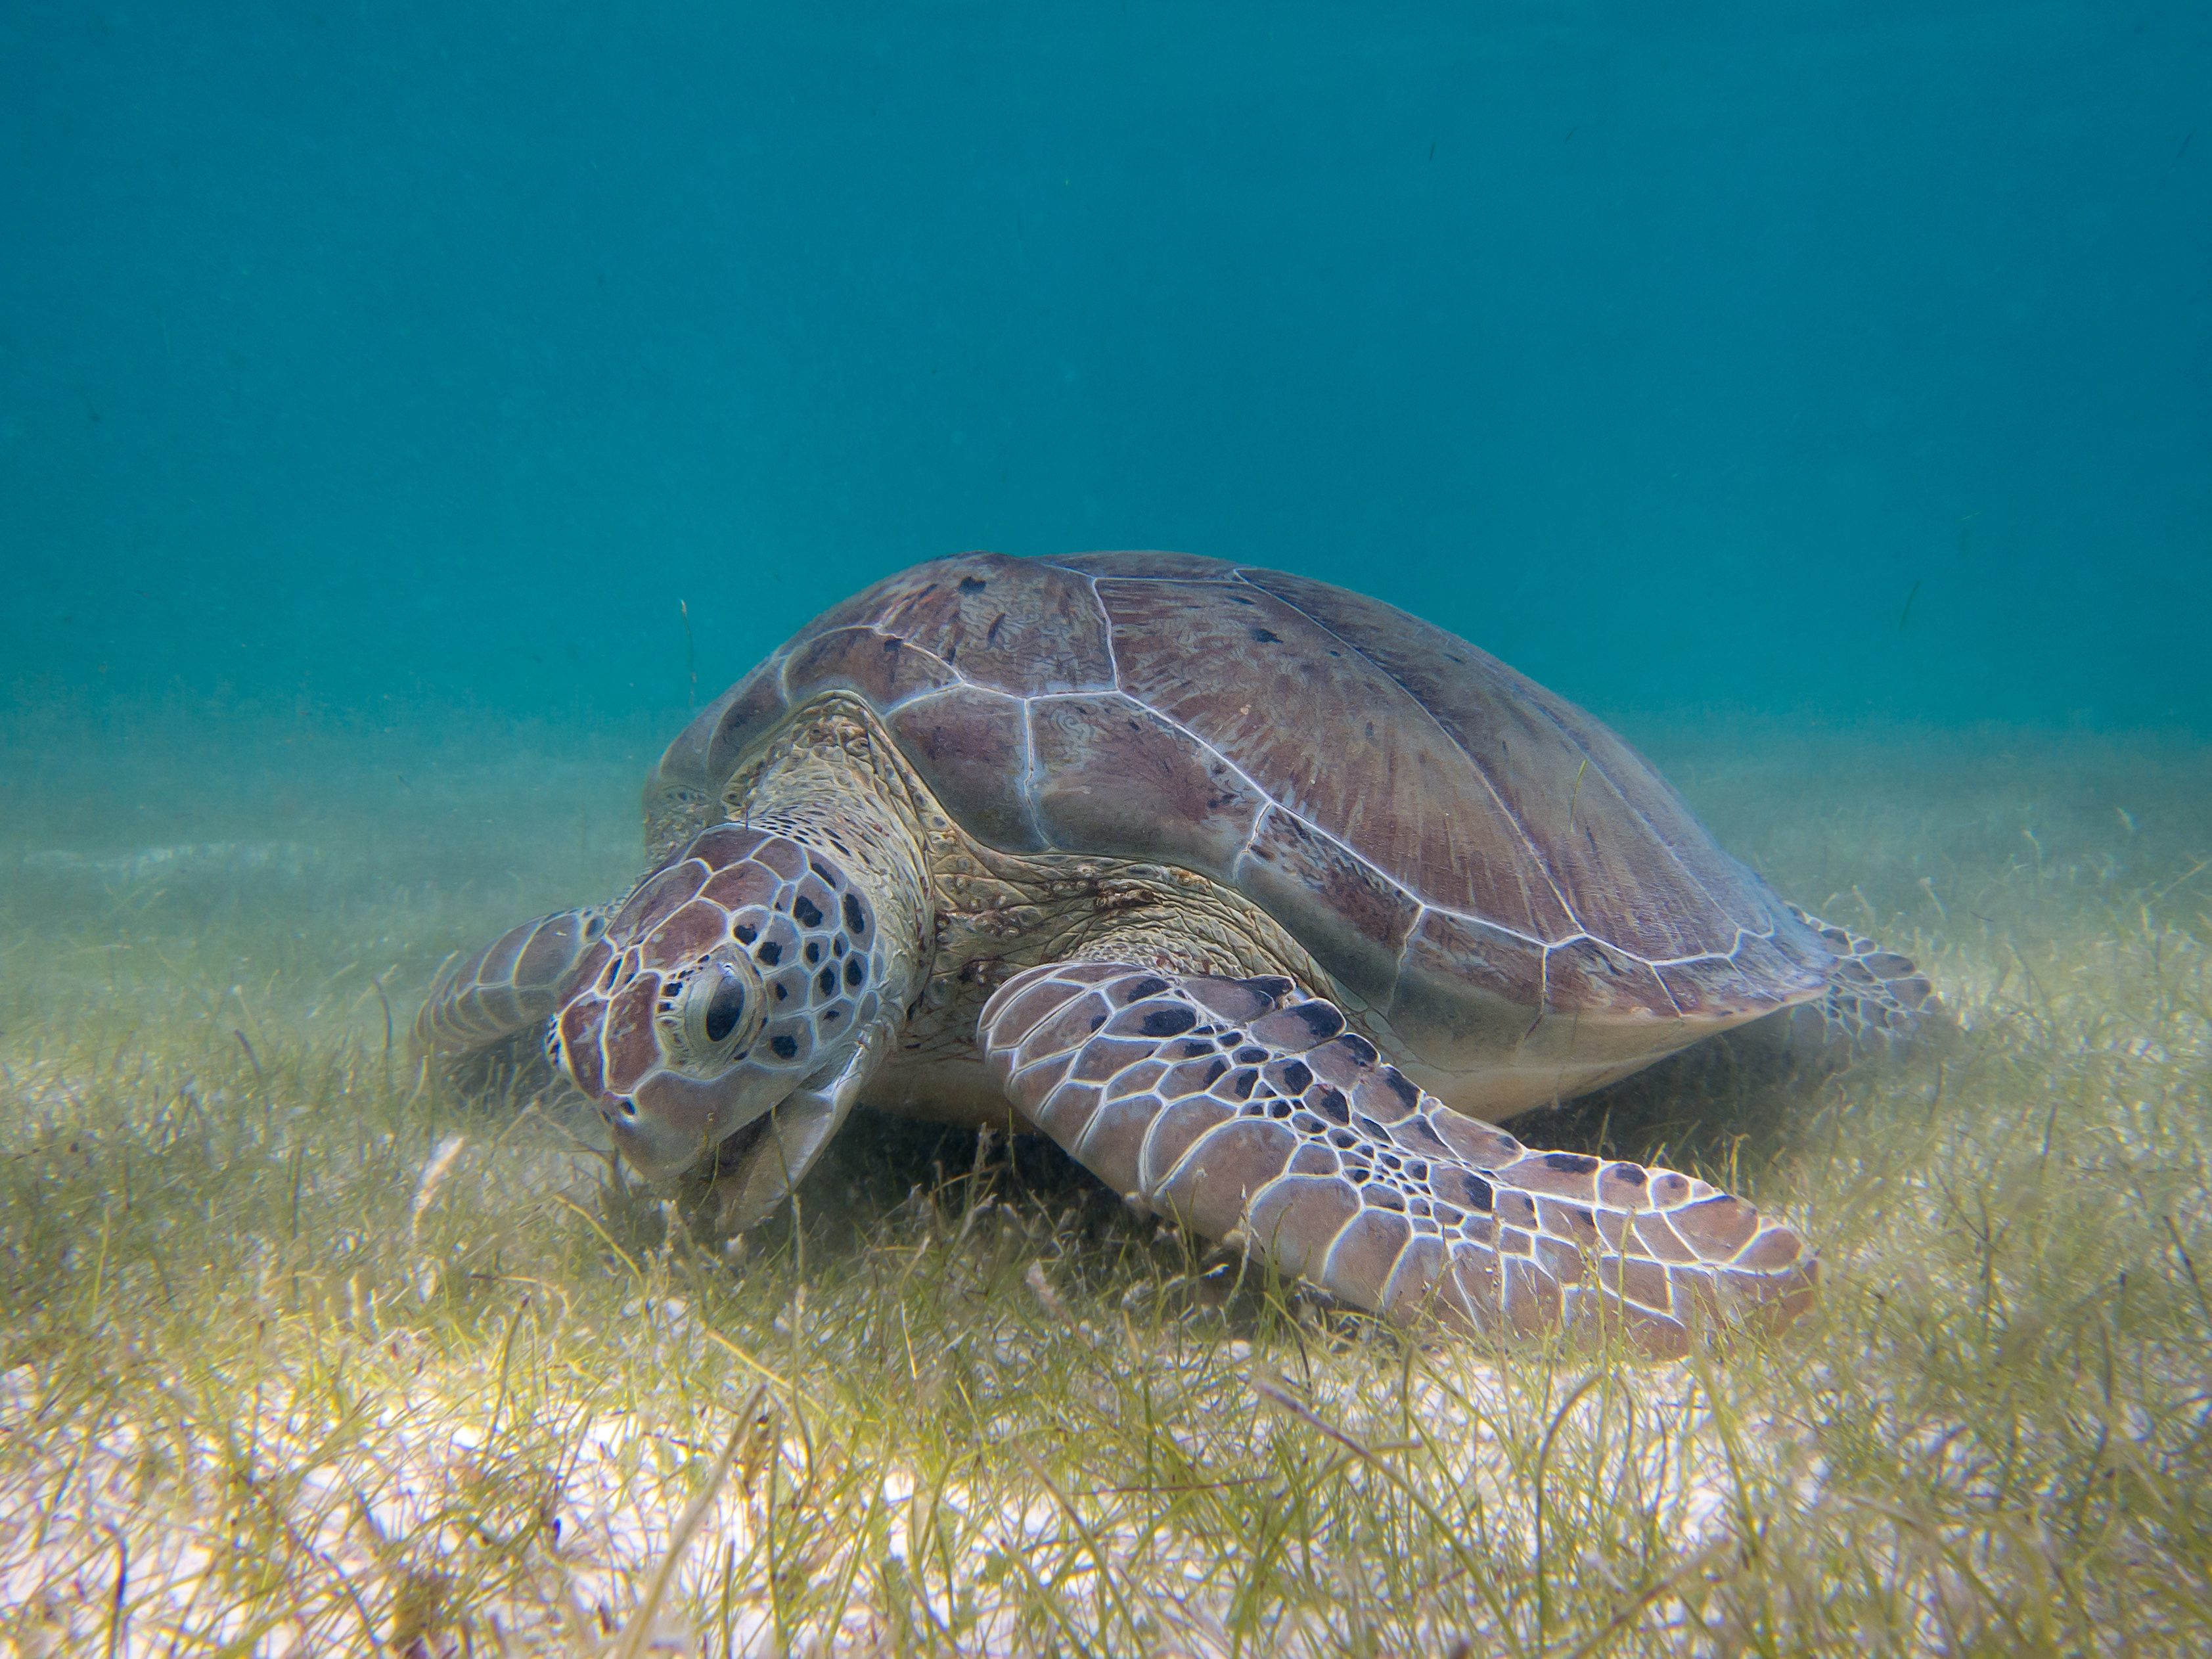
928	692
1030	776
1422	908
1105	629
959	678
1173	724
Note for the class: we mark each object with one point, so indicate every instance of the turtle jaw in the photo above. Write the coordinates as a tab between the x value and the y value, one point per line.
663	1115
670	1123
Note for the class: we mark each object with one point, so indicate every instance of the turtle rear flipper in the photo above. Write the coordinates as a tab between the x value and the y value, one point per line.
513	983
1246	1110
1877	1000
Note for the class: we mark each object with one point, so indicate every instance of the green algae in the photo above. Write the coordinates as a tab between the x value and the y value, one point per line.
304	1349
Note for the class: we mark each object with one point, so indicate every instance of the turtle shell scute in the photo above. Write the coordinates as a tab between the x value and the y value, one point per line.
1460	847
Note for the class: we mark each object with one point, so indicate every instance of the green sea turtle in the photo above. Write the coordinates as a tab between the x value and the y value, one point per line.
1264	900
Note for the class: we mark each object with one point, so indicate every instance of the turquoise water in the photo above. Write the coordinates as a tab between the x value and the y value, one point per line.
1824	360
412	412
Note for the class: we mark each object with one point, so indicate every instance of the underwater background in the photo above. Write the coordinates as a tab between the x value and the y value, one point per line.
1827	361
410	411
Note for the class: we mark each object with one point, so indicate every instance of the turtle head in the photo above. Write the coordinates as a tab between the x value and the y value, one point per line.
746	968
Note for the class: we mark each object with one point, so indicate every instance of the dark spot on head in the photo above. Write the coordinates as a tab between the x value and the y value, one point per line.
973	584
1261	636
1296	1076
1192	1049
1402	1086
855	972
1359	1048
1418	1171
831	1016
1631	1173
822	870
1569	1163
1342	1139
1319	1017
826	980
1097	1020
1214	1072
806	912
786	1046
1143	989
892	644
1269	987
1251	1057
746	933
1240	1086
856	919
996	623
1169	1022
1479	1193
813	951
1236	599
1278	1109
771	953
837	946
782	992
1367	1126
1333	1105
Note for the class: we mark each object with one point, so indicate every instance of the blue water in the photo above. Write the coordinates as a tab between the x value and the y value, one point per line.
1836	360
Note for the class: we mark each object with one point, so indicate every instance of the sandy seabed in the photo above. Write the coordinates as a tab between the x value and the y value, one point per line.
303	1350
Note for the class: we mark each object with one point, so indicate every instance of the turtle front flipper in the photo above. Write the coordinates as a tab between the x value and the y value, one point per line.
1244	1108
512	984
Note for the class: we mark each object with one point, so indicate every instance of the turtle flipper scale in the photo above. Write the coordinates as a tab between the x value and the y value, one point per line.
1245	1109
512	983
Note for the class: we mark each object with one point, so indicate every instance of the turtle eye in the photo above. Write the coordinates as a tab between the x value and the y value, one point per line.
709	1017
725	1005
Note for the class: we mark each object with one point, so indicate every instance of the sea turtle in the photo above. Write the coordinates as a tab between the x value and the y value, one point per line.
1263	899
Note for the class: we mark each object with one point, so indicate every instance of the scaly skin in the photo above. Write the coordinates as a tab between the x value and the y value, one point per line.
1244	1110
